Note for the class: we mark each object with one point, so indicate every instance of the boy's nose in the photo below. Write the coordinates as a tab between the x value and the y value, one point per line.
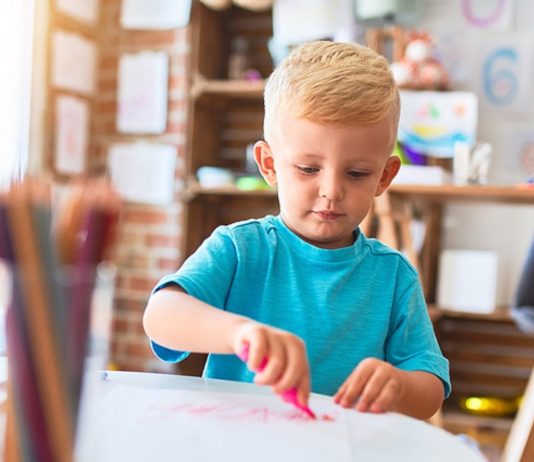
331	189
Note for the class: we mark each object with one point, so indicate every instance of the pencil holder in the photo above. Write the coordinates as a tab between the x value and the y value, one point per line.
57	328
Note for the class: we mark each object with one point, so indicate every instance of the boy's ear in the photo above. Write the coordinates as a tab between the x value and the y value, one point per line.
391	168
264	158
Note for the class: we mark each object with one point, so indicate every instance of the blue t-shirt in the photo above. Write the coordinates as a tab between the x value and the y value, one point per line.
347	304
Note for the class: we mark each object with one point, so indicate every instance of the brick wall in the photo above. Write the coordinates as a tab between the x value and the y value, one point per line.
148	238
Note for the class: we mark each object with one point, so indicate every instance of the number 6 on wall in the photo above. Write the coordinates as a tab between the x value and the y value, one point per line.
500	84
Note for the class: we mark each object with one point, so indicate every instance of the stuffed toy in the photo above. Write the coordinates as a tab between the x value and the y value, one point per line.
254	5
217	4
418	70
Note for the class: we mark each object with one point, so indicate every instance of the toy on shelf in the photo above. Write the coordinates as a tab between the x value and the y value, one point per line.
417	69
254	5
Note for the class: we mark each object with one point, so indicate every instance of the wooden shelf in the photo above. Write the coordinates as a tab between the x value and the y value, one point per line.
443	193
195	190
228	88
466	420
500	314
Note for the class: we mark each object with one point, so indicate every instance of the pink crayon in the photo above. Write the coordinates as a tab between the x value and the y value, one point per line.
289	396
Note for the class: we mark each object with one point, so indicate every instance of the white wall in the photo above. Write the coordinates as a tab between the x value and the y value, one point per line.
16	22
506	229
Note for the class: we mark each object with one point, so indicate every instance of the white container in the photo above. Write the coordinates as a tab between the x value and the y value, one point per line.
467	280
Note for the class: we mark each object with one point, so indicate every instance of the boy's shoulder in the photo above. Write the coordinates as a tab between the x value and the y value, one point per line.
252	226
379	249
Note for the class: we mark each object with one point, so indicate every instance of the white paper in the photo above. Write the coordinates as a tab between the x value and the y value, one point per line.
142	93
153	15
137	423
143	172
297	21
73	62
431	122
71	135
83	10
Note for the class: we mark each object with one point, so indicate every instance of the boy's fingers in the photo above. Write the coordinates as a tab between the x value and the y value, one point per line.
274	366
372	391
354	386
259	348
303	391
296	367
386	398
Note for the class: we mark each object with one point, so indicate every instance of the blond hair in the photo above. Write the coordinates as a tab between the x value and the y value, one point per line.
332	83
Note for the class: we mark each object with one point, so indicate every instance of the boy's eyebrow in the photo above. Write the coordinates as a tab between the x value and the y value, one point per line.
309	156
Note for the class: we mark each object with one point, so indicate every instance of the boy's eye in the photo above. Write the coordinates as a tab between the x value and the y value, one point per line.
356	174
307	170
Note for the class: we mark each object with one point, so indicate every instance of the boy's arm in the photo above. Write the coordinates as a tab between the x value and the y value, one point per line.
176	320
423	394
377	386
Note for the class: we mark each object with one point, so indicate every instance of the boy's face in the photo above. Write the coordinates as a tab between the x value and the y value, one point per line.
327	176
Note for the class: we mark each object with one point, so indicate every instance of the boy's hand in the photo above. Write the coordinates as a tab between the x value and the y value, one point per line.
374	386
277	356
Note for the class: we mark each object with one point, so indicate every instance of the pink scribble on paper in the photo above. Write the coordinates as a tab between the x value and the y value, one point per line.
231	413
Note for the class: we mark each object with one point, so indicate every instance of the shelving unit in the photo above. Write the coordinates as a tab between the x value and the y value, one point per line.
450	192
225	116
488	354
431	199
227	88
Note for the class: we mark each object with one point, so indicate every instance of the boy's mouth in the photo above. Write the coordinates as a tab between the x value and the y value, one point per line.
327	215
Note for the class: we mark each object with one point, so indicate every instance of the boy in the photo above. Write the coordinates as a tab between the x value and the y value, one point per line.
308	283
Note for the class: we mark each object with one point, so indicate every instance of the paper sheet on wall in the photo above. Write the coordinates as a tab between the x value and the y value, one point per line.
151	15
143	172
83	10
71	134
506	73
431	122
73	62
297	21
142	93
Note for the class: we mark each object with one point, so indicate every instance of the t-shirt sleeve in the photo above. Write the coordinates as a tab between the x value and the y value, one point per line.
206	275
412	343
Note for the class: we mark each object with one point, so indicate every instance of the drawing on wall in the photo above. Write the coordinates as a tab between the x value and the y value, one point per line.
151	15
495	15
506	73
71	135
143	172
73	62
431	122
519	142
84	10
142	93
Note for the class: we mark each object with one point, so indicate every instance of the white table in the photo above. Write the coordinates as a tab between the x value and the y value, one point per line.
129	416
